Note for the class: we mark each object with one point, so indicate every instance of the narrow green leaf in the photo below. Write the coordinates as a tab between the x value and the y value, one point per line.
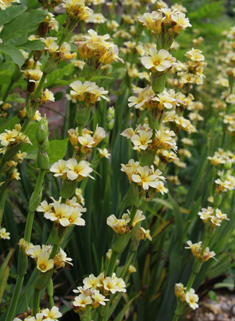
179	223
100	77
15	54
10	13
121	315
6	261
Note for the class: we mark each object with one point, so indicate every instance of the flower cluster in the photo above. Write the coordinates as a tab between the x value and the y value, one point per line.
94	49
71	169
97	290
221	157
45	314
77	10
196	251
10	138
214	216
166	22
86	142
144	139
120	226
192	72
88	93
147	178
41	255
64	214
190	297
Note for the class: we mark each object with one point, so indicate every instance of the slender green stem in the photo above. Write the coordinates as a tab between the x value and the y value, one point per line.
112	263
36	301
50	292
30	217
7	91
54	250
15	298
205	243
37	93
190	281
176	317
3	199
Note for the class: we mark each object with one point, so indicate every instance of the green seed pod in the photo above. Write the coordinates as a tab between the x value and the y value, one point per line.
22	263
33	204
43	160
217	200
228	165
82	116
44	146
68	188
136	238
111	124
42	132
50	66
158	83
50	288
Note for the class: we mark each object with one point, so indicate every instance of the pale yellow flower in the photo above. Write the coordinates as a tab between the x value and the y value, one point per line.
44	264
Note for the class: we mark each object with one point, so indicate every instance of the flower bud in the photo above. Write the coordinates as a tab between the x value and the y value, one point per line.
228	165
50	66
111	124
42	132
158	83
67	189
22	263
43	279
33	204
43	160
217	200
82	116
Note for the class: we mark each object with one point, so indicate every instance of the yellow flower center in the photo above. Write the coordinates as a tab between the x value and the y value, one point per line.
42	266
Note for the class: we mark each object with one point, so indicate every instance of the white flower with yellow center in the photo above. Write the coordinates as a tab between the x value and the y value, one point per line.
51	45
110	285
195	55
51	314
145	179
90	282
34	252
75	217
138	217
165	100
120	283
59	168
161	188
8	137
145	234
44	264
4	234
195	248
44	207
37	116
77	170
103	153
15	175
142	139
98	298
156	60
192	299
82	300
59	214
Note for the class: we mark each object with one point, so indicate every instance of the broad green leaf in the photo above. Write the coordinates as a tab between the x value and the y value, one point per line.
22	24
10	13
57	150
11	124
15	54
33	45
58	74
